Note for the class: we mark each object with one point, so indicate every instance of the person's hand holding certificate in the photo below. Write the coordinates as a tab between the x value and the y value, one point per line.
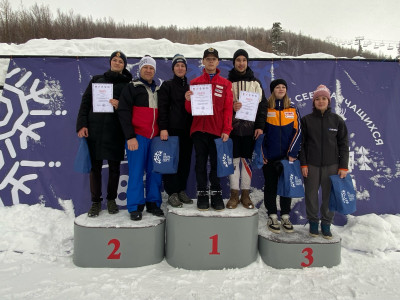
102	93
249	101
201	100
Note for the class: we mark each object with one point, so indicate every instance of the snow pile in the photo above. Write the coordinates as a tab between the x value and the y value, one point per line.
131	47
372	233
37	229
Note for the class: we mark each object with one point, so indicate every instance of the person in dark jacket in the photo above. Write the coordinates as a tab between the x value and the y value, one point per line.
104	134
324	152
281	141
244	132
138	113
174	120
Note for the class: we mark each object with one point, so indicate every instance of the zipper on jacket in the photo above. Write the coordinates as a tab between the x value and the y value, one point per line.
152	126
322	140
280	130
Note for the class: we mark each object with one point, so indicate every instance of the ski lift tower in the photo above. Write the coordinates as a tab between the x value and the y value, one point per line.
358	40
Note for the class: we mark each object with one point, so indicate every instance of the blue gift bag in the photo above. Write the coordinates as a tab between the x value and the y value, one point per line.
343	196
224	157
290	183
165	155
257	160
82	163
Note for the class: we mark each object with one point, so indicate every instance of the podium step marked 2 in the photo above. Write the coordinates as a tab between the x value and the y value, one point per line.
211	240
298	249
116	241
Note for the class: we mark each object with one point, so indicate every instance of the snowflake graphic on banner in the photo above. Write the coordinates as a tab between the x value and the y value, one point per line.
17	129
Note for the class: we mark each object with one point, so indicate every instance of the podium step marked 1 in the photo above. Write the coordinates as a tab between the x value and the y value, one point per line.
211	240
297	250
116	241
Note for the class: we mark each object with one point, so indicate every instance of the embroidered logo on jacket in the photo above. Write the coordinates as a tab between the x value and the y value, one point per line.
289	115
271	114
332	129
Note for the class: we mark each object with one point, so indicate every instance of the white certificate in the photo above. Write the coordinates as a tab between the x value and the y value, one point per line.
249	101
201	100
102	93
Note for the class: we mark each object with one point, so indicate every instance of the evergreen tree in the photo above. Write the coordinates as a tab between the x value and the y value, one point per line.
276	38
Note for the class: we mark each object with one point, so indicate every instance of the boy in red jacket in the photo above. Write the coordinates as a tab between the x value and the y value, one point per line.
207	128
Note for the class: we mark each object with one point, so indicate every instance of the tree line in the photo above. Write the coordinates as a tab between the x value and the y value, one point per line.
37	21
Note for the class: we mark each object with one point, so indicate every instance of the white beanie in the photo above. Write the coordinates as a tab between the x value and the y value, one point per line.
147	61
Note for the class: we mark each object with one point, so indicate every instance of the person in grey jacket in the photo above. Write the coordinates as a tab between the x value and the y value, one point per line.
324	152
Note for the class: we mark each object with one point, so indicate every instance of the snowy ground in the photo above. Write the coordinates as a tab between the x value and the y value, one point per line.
36	263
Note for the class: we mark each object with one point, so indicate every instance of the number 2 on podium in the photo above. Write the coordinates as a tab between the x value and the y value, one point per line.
114	254
214	248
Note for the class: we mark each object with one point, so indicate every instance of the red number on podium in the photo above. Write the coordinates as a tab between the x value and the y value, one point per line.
113	254
214	239
309	257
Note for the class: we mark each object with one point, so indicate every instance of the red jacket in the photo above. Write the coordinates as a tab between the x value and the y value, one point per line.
222	98
138	110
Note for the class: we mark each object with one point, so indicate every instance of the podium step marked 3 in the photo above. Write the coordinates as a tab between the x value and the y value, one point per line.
115	241
298	249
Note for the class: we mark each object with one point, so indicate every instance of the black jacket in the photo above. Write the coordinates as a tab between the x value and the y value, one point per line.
247	82
325	140
171	105
105	140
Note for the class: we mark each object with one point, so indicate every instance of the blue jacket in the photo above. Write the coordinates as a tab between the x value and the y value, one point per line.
282	132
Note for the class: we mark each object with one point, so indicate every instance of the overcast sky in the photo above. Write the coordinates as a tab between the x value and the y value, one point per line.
342	19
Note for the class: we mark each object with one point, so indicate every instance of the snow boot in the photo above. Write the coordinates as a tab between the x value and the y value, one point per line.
286	224
203	201
94	211
136	215
173	200
184	198
152	208
233	200
216	200
112	207
245	199
273	224
314	228
326	231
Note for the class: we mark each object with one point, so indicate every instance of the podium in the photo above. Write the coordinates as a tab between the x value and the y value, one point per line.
211	240
298	249
115	241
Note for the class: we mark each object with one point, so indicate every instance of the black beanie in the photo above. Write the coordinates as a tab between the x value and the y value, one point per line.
274	83
178	58
119	54
239	53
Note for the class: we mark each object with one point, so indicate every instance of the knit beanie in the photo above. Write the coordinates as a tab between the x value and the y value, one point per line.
239	53
274	83
322	90
147	60
178	58
119	54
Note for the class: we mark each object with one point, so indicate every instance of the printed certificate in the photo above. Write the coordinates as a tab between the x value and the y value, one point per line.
102	93
249	101
201	100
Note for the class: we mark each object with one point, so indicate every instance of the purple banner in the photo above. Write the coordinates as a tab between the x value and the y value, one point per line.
41	99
